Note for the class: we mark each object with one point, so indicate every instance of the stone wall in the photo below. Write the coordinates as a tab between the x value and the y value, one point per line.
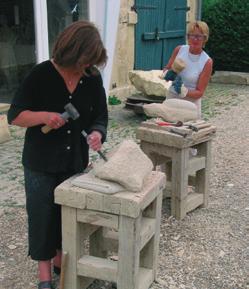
124	55
193	12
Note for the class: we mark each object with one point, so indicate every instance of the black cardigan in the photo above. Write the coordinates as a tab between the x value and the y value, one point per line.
64	149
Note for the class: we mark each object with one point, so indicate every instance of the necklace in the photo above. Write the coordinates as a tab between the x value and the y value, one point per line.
70	77
70	82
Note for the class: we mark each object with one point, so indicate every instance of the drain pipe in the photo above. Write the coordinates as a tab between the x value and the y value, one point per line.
199	10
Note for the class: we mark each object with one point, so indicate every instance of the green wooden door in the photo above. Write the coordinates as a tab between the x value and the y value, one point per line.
161	27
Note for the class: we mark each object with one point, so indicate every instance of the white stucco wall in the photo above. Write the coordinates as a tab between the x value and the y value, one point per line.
105	13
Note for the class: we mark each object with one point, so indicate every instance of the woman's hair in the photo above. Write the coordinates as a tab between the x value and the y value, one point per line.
202	26
79	44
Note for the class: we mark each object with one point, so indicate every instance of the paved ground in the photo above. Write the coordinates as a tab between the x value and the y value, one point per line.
209	249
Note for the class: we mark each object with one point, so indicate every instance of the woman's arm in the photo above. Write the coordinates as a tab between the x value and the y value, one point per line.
29	118
202	82
172	58
99	114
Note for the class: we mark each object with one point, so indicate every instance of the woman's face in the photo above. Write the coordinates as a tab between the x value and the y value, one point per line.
196	39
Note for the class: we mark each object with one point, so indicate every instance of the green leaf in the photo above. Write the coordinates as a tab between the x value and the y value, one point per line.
113	100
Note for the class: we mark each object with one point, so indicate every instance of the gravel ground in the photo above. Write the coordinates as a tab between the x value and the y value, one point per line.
209	249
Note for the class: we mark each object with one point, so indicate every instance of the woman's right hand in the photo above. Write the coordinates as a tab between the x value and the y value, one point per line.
28	118
53	120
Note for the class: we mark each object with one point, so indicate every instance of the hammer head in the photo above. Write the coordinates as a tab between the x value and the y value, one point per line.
72	111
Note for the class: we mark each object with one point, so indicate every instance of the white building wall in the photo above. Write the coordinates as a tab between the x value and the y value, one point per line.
41	30
105	13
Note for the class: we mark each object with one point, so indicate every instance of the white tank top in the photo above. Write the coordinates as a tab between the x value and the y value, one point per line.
194	66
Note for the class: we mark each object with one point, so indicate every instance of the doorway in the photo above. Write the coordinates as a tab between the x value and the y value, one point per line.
161	27
17	45
62	13
18	51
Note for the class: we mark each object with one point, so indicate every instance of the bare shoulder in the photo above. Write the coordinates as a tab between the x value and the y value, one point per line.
209	65
176	50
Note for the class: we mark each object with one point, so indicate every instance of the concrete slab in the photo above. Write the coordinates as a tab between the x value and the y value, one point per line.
230	77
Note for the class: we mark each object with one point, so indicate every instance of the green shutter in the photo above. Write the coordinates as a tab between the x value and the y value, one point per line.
161	27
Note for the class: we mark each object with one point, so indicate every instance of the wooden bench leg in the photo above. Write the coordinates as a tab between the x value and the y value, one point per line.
179	182
71	244
167	169
73	236
149	254
129	251
203	176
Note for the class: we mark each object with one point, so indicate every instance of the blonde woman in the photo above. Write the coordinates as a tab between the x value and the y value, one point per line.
191	82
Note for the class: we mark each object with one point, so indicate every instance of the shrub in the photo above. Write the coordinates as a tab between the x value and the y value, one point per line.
207	3
228	44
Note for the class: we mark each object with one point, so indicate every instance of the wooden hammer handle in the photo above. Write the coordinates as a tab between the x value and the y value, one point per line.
46	129
63	269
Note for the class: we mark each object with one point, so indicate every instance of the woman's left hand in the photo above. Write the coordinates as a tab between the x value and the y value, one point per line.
94	140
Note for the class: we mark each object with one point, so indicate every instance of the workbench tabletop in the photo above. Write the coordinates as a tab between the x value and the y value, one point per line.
122	203
150	132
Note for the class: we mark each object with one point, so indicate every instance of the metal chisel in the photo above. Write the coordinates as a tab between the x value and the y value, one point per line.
101	154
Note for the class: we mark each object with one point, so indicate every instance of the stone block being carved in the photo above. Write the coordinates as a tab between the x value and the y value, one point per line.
127	166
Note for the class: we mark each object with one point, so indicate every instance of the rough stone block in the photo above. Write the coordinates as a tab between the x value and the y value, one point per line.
149	82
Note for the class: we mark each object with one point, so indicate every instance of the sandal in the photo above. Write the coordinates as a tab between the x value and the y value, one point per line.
45	285
57	270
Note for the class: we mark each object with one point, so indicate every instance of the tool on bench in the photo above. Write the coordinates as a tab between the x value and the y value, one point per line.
70	112
183	134
101	154
177	124
194	128
165	123
172	125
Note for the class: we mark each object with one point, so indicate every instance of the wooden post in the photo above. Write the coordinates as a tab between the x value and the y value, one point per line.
71	244
73	237
203	176
149	254
128	253
179	182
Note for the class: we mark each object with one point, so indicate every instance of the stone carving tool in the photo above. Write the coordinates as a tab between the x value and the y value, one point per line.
183	134
165	123
70	112
101	154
